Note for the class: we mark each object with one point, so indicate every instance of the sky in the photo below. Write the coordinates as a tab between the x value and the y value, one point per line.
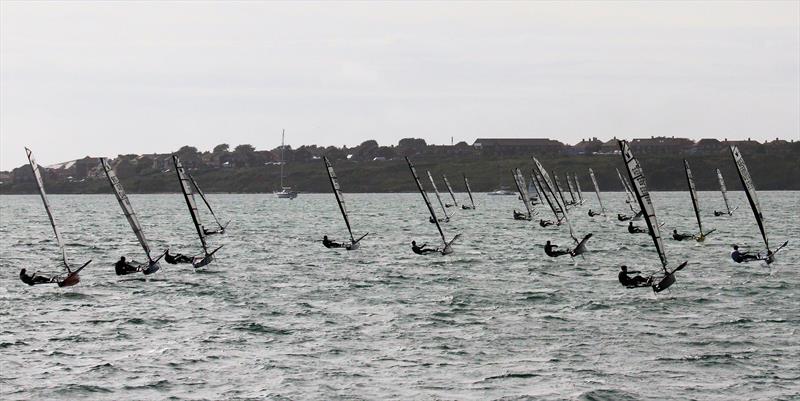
109	78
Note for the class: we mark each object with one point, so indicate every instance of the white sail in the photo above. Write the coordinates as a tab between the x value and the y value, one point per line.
203	197
127	208
560	206
559	192
469	191
337	191
628	193
427	201
724	190
450	189
750	190
190	202
523	191
547	193
43	194
597	191
571	190
438	197
535	187
578	187
636	176
693	194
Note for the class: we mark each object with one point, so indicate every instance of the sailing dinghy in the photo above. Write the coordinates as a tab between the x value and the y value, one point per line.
636	176
469	192
597	192
152	265
695	203
519	180
547	186
220	227
449	189
549	198
750	189
337	191
629	199
188	195
439	198
558	190
447	247
571	190
724	191
578	188
72	277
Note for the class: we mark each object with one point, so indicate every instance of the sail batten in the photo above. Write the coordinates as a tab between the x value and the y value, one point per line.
636	176
597	191
38	175
750	191
693	193
127	208
337	191
427	201
188	195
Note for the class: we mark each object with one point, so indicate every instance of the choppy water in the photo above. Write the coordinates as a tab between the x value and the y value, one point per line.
278	316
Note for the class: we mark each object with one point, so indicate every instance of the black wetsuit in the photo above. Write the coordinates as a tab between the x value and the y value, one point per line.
545	223
622	217
33	278
681	237
520	216
177	258
549	250
628	281
592	213
420	250
717	214
634	230
330	244
740	257
123	268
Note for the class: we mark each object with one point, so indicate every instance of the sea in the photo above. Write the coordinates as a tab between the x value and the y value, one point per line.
279	317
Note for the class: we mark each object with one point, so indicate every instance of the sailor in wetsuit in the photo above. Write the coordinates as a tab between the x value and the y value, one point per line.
549	249
545	223
740	257
176	258
634	229
622	217
330	244
33	278
680	237
593	213
420	250
122	267
717	214
520	215
628	281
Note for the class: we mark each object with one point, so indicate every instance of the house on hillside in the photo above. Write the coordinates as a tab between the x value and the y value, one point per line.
661	145
518	146
585	147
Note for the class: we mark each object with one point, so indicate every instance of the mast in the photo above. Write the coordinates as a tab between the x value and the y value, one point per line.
469	191
425	198
203	197
750	190
43	194
436	191
190	202
597	191
636	176
337	191
450	189
127	208
724	192
283	159
693	193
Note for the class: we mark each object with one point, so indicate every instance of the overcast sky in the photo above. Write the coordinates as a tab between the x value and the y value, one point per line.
104	78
